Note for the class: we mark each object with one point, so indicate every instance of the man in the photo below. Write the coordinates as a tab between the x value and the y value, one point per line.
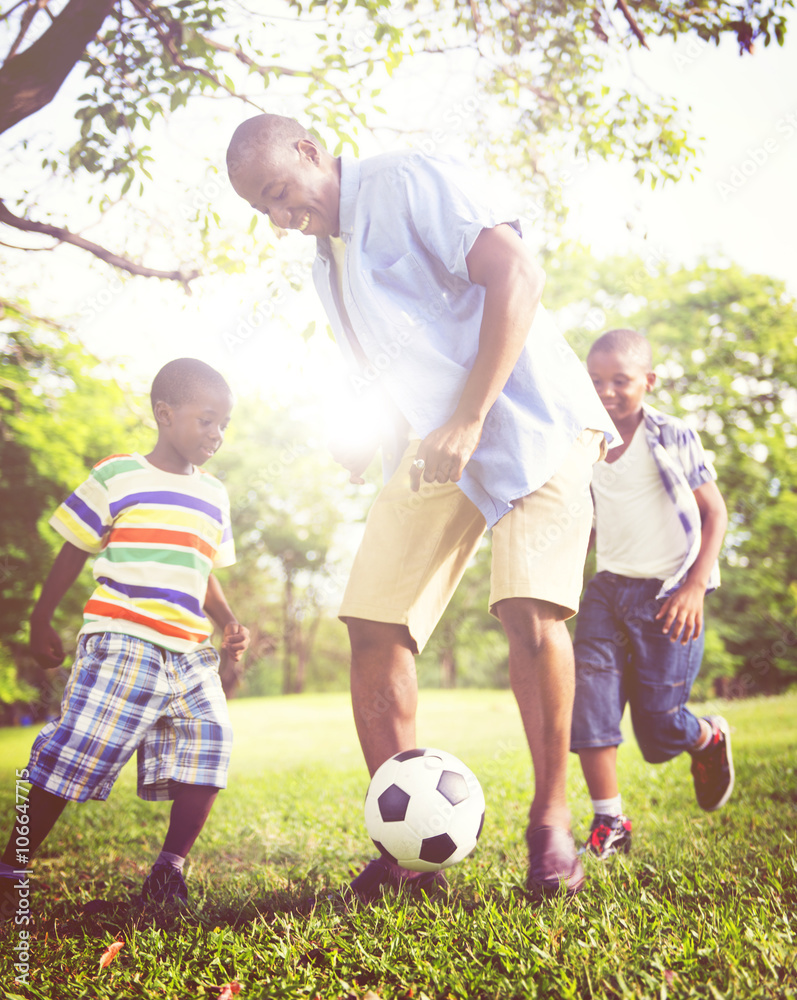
432	298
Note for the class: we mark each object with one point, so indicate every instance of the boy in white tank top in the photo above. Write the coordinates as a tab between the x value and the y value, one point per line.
659	524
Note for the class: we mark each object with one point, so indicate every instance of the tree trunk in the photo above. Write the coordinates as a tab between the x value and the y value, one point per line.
30	80
448	668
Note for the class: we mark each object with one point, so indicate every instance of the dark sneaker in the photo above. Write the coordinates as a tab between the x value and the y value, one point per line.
380	875
608	835
554	866
712	768
165	884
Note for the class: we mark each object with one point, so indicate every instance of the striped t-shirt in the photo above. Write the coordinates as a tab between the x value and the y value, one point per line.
157	536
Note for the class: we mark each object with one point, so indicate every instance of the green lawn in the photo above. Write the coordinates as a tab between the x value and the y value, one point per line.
703	907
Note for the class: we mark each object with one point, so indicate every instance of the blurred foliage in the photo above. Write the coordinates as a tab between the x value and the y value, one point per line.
542	84
60	412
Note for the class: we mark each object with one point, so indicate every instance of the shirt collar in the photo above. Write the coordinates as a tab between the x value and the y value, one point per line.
349	188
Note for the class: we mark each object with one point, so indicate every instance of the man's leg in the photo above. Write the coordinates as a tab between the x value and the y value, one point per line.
384	689
542	675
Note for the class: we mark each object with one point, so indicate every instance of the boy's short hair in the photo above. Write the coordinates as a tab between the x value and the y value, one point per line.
182	380
627	342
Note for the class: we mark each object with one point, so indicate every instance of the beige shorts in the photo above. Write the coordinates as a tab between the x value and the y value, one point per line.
417	546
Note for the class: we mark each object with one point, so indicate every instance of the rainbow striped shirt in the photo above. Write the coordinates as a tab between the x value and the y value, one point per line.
157	536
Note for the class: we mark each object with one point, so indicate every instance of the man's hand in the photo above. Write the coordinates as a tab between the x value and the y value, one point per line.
682	613
235	640
355	459
46	646
445	453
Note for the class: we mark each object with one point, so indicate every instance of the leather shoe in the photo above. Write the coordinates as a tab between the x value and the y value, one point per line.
554	865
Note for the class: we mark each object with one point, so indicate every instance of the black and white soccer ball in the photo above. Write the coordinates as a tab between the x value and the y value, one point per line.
424	809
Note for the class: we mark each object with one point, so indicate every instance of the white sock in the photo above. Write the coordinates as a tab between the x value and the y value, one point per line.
172	860
608	807
704	740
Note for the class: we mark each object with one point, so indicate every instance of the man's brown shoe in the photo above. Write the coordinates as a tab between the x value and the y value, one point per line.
554	865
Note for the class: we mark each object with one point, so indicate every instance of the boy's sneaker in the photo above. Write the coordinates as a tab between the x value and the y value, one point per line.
165	884
608	835
379	875
712	768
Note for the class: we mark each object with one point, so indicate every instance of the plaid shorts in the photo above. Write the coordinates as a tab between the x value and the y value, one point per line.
126	695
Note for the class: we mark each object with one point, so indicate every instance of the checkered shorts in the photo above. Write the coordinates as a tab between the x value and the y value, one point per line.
126	695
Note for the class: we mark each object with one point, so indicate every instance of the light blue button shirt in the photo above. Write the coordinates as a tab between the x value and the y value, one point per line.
408	222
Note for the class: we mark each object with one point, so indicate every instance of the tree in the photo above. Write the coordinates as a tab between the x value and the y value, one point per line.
59	414
725	349
285	520
542	66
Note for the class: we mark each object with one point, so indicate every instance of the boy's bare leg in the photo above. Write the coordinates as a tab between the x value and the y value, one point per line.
599	765
43	811
384	689
190	809
542	675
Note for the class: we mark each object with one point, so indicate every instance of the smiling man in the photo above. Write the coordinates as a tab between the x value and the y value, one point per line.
490	422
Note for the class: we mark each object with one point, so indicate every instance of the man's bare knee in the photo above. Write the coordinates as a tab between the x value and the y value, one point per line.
530	621
368	638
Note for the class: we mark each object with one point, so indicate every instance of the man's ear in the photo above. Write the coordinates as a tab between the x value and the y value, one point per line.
650	379
163	413
307	148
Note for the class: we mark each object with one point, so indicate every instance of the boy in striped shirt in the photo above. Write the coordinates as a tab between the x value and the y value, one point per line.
145	676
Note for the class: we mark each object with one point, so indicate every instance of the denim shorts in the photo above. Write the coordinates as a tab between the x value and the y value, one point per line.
623	656
127	696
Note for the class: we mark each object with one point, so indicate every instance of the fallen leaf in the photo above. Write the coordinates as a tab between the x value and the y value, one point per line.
110	953
229	991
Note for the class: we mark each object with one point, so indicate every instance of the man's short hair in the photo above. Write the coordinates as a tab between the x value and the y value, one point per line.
184	380
261	134
627	342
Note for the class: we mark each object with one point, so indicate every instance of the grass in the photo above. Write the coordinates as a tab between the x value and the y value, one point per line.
703	907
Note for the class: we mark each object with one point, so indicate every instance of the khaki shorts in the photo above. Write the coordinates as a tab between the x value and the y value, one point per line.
416	546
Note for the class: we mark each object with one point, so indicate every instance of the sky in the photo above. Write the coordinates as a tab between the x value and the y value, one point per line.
741	205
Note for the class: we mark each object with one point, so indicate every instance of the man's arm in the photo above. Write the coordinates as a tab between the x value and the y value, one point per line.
45	643
683	611
513	280
235	637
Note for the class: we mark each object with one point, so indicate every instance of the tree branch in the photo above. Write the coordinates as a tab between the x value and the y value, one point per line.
623	6
65	236
30	80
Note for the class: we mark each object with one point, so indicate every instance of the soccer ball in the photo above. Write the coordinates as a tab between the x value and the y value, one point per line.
424	809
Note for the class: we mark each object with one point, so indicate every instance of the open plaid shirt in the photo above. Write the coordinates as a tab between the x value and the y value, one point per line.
683	467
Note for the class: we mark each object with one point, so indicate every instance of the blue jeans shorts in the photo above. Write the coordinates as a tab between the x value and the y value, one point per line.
622	656
126	696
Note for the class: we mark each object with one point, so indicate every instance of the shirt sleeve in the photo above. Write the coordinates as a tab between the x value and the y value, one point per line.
696	465
84	518
446	212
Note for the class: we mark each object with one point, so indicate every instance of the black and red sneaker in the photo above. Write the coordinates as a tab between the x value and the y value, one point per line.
712	768
608	835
